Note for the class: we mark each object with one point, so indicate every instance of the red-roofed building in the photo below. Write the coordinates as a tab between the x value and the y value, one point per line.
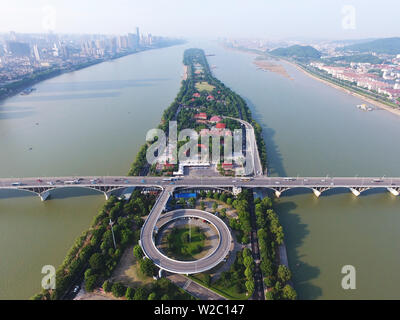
220	126
202	121
196	95
201	116
227	166
215	119
210	97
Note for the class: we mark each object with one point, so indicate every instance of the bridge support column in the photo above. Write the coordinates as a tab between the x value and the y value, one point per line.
236	190
44	195
107	196
394	191
357	191
278	191
317	193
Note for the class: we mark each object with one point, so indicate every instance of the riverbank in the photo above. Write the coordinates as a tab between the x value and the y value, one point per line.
30	80
378	104
348	91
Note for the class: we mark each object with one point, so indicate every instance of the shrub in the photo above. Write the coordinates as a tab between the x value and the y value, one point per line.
90	283
118	289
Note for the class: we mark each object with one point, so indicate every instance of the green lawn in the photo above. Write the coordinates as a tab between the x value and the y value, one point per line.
204	86
185	243
228	292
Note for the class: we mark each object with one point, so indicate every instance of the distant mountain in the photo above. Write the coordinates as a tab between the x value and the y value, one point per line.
362	58
297	51
387	45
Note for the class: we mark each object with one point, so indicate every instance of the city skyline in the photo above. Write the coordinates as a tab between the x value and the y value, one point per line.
337	20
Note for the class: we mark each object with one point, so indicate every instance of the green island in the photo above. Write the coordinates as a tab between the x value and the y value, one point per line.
108	255
201	94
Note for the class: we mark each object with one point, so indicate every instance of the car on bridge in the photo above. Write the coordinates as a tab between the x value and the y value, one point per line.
16	184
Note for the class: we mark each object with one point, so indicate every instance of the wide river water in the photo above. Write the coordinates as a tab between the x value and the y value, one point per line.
93	121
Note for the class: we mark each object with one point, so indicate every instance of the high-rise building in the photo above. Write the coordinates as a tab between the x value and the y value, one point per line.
137	37
36	52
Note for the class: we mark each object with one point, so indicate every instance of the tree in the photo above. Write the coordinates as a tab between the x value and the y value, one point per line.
248	262
202	205
137	252
270	294
248	273
130	293
229	201
269	282
250	286
88	273
216	196
223	197
90	283
223	212
192	202
266	267
118	289
147	267
215	206
289	293
107	286
152	296
165	297
284	273
140	294
96	262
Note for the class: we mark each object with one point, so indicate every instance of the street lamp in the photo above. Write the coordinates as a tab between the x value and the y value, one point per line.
112	231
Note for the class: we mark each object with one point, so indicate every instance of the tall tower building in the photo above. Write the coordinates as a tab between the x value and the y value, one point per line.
137	37
36	52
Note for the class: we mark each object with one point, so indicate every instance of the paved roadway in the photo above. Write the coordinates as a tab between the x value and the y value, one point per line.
195	289
114	182
251	145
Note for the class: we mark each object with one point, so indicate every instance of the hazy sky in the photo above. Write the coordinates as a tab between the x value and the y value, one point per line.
207	18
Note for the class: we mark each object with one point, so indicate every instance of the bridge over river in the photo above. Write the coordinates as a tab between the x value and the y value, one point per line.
108	184
43	187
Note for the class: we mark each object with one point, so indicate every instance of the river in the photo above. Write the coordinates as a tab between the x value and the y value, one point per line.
94	120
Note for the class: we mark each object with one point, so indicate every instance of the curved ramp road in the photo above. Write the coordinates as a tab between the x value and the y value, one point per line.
183	267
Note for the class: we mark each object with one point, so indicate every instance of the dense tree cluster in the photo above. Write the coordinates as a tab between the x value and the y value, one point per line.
225	102
270	236
93	255
242	225
162	289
